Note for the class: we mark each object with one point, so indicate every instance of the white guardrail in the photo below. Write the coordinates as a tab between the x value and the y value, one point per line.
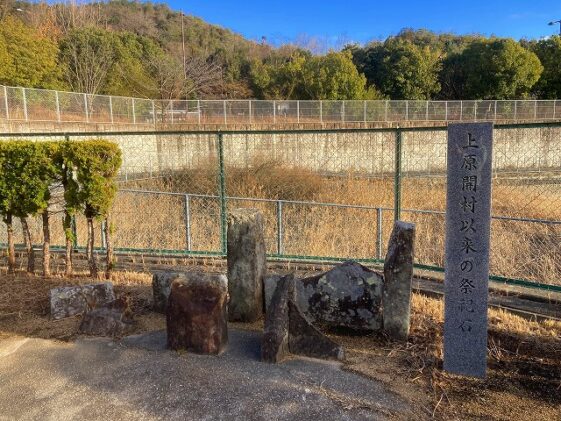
41	105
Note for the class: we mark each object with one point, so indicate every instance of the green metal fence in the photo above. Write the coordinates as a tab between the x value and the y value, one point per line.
329	195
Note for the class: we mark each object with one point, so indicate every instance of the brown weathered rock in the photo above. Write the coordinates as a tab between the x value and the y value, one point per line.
70	301
197	313
111	319
287	330
161	286
246	264
274	346
398	274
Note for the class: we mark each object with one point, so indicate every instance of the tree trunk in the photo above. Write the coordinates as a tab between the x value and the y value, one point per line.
11	246
69	236
109	249
46	244
90	248
28	246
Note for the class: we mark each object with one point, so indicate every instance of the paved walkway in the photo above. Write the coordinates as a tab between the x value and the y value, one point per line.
98	379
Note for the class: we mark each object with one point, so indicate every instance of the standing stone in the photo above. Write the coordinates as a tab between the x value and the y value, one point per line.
246	264
274	346
287	330
161	287
197	313
398	275
70	301
269	287
112	319
468	219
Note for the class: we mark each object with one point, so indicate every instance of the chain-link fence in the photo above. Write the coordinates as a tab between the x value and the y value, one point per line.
40	105
330	195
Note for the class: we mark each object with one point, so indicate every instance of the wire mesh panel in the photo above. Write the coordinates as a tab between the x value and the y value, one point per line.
16	103
99	109
376	110
41	105
4	112
310	112
213	112
332	111
262	111
72	107
238	112
397	111
354	111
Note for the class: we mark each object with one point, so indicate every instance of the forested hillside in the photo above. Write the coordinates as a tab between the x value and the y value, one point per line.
136	48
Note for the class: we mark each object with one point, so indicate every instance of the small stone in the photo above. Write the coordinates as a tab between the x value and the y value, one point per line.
197	313
112	319
70	301
398	275
274	346
161	287
247	264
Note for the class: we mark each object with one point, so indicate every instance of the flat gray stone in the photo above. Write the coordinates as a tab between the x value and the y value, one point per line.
113	319
468	221
247	264
161	287
70	301
347	296
398	275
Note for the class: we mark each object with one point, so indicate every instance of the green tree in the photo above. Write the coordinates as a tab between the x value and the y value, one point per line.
95	165
496	69
549	54
27	175
26	58
409	71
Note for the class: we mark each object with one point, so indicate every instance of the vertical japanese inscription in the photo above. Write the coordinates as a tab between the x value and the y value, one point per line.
468	220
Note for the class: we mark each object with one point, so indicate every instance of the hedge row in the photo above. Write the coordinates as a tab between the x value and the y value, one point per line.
30	172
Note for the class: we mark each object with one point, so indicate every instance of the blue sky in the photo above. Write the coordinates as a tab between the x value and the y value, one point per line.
364	20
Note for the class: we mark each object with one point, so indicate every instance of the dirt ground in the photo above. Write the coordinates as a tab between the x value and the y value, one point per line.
524	376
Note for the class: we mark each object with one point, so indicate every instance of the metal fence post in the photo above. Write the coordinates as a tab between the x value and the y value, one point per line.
343	112
554	101
86	108
298	111
187	209
199	111
133	112
364	112
515	109
475	111
274	112
154	112
279	228
24	104
171	109
111	108
427	112
536	109
495	117
446	111
57	107
321	111
407	110
249	106
222	187
225	118
397	175
461	110
379	227
6	103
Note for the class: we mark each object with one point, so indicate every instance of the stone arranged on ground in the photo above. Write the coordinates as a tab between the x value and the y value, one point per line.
398	275
70	301
197	313
269	287
274	346
161	287
347	296
288	331
112	319
246	264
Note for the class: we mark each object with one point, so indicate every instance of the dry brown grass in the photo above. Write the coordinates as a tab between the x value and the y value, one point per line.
518	249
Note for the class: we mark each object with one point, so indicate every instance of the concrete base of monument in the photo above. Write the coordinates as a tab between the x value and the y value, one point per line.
138	378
